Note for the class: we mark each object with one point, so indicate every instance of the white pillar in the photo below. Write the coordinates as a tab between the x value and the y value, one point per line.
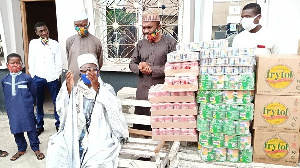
11	26
197	25
206	11
188	21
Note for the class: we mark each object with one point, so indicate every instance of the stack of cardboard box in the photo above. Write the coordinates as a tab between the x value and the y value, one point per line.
173	104
277	110
226	84
173	115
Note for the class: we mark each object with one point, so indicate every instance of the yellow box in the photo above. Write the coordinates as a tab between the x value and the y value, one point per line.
277	113
278	75
276	148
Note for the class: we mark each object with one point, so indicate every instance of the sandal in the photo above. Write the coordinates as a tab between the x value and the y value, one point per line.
3	153
39	155
17	155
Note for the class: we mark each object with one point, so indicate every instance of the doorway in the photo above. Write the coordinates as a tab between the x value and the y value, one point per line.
33	11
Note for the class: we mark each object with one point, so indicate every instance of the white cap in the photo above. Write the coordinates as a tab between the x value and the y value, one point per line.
86	59
80	15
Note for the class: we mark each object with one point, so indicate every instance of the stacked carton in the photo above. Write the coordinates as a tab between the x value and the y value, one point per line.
172	114
277	110
226	84
173	104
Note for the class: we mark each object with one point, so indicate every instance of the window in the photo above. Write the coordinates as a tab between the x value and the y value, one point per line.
118	24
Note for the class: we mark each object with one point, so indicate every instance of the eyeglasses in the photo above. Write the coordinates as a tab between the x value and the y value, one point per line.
85	69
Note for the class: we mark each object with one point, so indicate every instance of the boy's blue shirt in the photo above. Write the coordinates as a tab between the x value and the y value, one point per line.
20	107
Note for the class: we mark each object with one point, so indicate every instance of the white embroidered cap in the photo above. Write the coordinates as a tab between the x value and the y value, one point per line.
150	15
86	59
80	15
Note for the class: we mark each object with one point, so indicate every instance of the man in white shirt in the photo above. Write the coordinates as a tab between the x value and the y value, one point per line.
254	35
45	66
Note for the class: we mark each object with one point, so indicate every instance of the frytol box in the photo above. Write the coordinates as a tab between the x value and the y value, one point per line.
277	113
278	75
276	148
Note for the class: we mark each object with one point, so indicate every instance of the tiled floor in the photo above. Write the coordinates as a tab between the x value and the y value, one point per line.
29	159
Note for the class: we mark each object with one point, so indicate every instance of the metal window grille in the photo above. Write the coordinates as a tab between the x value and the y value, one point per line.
118	24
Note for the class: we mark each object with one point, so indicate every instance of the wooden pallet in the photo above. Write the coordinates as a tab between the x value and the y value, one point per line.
189	157
158	152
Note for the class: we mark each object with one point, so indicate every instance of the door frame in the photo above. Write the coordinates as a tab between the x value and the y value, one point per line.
24	29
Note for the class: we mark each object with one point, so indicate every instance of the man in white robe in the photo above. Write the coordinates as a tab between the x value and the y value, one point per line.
91	121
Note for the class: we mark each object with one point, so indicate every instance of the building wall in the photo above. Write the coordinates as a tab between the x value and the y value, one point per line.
283	18
11	18
3	72
118	80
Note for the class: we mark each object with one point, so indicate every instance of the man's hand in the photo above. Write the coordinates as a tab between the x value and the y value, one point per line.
69	81
92	76
145	68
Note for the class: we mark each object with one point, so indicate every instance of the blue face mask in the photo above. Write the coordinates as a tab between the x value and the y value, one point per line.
85	79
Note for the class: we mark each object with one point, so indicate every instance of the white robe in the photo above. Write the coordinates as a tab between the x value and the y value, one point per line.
107	127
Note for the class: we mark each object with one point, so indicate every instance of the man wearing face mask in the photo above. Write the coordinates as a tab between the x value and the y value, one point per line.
82	43
254	35
93	125
45	67
149	58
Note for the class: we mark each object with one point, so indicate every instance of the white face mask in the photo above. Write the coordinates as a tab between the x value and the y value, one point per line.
248	23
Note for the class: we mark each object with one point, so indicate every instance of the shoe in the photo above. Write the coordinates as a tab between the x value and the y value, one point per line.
3	153
39	130
57	128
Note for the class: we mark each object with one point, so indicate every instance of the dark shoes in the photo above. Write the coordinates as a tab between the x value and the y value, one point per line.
57	128
39	130
3	153
39	155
